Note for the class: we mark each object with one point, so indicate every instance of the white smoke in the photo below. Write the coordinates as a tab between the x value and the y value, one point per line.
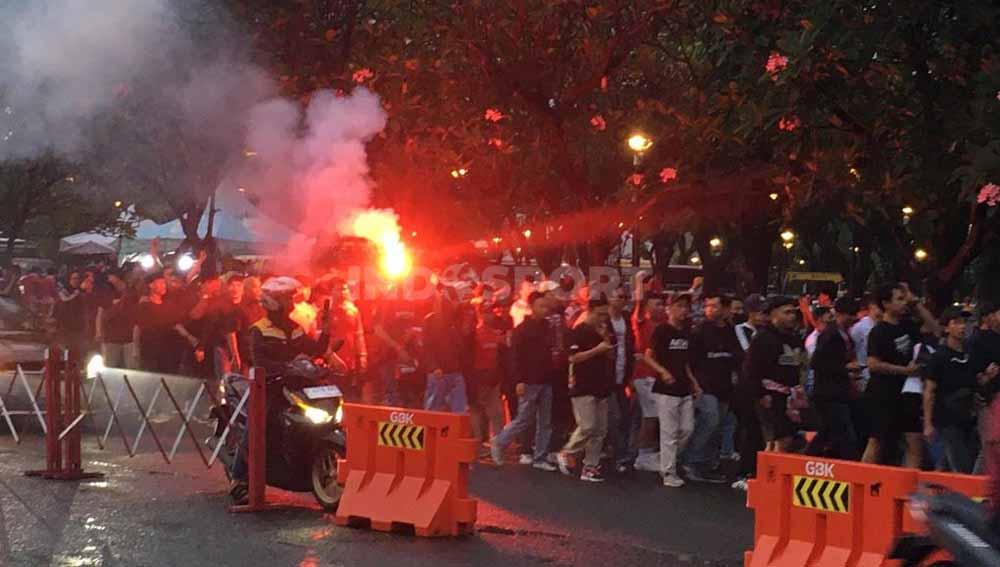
313	162
64	61
194	107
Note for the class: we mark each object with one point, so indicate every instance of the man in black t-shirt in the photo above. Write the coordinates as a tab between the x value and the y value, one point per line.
950	383
890	360
675	387
154	336
985	344
591	381
775	369
715	356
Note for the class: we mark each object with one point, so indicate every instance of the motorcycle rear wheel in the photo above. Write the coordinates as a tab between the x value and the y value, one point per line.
324	479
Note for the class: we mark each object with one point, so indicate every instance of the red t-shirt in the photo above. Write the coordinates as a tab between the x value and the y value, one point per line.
488	341
643	329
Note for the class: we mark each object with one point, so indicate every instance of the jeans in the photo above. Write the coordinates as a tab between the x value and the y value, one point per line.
535	406
961	445
728	429
387	375
486	412
447	393
591	415
620	429
836	437
703	451
676	425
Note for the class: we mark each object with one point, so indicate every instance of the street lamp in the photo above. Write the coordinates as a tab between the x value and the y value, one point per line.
907	210
639	143
920	254
787	235
527	233
715	242
773	196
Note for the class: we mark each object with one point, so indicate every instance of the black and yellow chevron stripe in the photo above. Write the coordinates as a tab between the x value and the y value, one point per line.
821	494
400	436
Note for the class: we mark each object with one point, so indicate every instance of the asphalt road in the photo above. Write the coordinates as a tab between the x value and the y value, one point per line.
146	513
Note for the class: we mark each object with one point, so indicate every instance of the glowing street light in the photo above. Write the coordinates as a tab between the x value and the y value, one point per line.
497	240
695	259
773	196
788	245
639	143
715	242
147	262
907	210
920	254
787	235
185	262
118	204
460	172
527	233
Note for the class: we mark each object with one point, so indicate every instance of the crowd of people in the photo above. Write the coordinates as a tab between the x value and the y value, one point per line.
562	377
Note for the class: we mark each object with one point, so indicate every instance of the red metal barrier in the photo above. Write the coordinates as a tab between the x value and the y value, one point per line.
62	409
256	444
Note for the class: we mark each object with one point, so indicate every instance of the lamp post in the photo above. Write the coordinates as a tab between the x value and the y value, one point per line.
638	143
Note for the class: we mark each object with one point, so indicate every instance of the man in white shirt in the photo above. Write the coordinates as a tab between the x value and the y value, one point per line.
859	336
754	305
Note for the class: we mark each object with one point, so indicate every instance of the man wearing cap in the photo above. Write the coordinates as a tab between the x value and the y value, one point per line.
676	386
834	371
950	382
775	367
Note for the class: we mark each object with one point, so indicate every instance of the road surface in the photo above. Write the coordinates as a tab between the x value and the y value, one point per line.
147	513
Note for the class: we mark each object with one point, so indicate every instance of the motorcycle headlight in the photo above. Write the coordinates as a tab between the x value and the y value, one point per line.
316	415
339	415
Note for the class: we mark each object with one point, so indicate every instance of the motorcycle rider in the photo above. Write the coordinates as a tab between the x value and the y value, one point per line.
275	341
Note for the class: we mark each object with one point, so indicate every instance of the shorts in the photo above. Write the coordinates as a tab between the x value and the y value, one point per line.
911	417
774	422
887	415
643	388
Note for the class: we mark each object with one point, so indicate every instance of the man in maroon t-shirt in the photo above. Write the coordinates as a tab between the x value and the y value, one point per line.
649	314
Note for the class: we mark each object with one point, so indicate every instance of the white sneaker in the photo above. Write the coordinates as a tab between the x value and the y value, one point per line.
496	453
649	462
673	481
562	459
544	466
525	460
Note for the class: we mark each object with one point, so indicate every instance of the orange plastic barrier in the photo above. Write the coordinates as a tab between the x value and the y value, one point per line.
823	512
407	468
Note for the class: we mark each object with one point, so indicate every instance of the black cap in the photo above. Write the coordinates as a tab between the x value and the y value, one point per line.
952	313
153	276
678	297
777	302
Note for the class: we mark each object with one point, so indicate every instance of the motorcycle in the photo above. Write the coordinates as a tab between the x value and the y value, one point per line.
304	437
956	525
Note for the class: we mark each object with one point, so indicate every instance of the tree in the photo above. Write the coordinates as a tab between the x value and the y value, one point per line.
52	198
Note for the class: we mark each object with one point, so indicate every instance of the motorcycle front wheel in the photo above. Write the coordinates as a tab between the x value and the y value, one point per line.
324	478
